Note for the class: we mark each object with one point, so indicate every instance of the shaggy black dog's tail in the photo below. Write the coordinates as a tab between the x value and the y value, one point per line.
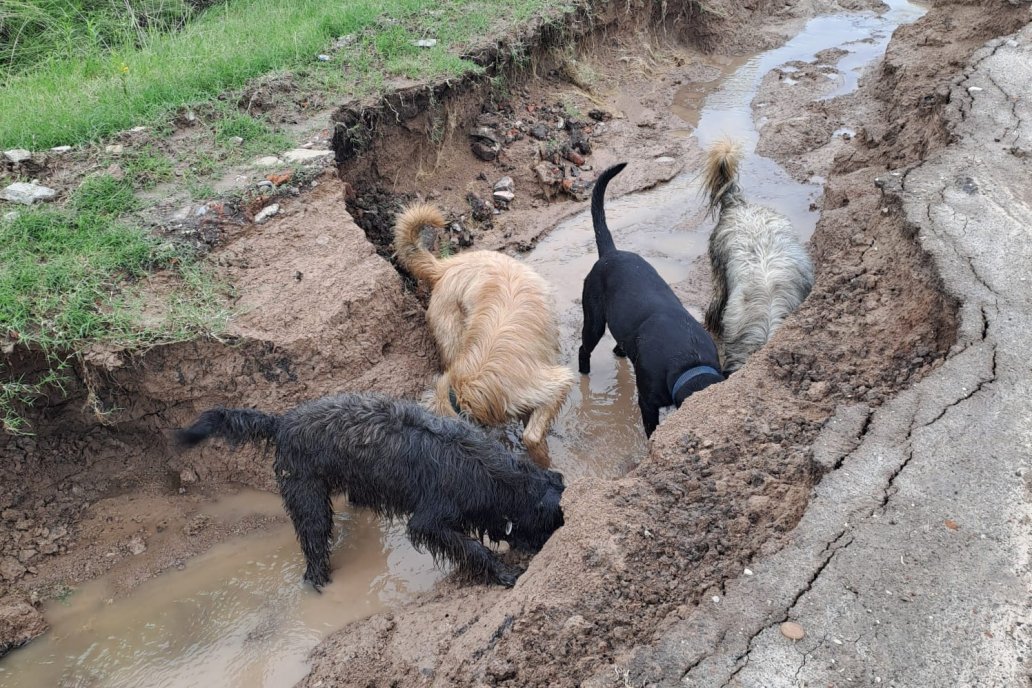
603	239
237	426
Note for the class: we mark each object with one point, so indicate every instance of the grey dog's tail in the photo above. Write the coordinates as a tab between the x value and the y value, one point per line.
721	172
603	239
237	426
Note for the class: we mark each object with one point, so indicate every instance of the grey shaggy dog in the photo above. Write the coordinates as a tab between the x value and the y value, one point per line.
761	272
448	477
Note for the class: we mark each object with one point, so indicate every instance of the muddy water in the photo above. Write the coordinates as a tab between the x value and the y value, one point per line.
237	616
599	431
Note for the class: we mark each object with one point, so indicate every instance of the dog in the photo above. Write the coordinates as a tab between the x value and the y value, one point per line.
761	272
496	331
672	354
397	458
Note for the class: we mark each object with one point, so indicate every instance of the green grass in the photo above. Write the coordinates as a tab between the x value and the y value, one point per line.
106	84
68	279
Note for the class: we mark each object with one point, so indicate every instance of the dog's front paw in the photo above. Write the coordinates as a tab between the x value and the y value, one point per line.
316	578
618	351
507	576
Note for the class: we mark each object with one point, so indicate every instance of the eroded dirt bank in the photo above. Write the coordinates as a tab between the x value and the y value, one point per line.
98	488
320	311
729	474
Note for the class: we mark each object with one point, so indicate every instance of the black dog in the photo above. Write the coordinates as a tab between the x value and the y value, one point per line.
398	459
673	355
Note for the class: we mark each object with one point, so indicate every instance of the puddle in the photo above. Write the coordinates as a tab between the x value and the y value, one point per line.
238	615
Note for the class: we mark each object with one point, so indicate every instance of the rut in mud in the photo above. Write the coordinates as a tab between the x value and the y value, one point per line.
321	311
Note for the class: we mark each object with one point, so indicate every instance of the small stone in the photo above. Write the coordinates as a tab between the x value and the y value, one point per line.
187	476
181	214
60	149
26	555
11	569
425	43
114	148
505	184
323	58
484	133
748	572
306	155
267	161
17	155
266	213
575	157
137	130
136	545
792	630
27	194
236	140
504	198
540	132
549	173
664	160
485	150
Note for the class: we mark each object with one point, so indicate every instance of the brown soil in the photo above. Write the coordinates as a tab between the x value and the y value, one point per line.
321	311
730	472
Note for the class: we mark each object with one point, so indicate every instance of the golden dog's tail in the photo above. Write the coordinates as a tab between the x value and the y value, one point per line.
417	223
721	171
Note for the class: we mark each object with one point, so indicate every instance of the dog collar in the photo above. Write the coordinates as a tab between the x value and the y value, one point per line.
454	401
688	375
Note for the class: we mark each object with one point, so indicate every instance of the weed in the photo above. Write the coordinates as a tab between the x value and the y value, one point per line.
147	167
102	194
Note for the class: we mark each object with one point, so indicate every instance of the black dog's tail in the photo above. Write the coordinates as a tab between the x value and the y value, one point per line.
237	426
603	239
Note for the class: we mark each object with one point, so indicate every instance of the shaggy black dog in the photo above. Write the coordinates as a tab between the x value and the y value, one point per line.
673	355
398	459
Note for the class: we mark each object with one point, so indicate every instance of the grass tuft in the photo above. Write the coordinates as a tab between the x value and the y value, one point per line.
68	280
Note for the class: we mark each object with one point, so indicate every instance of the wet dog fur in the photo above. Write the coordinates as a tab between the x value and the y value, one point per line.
761	272
395	457
496	330
665	343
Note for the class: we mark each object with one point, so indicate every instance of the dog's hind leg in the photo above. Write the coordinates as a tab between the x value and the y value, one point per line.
594	321
308	503
440	536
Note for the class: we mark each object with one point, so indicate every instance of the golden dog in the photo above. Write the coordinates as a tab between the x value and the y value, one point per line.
496	331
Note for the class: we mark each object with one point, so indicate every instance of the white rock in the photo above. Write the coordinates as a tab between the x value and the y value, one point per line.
425	43
137	545
266	213
665	160
114	148
182	213
137	130
504	196
236	140
27	194
60	149
17	155
324	58
305	155
505	184
267	161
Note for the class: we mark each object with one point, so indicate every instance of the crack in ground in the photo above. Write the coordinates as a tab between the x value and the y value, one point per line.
978	388
788	609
